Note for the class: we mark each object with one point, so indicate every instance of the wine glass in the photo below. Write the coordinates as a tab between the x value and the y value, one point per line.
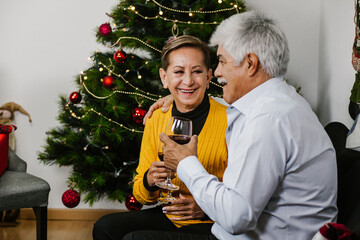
179	130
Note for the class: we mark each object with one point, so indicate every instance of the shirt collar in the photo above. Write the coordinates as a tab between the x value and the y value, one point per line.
245	103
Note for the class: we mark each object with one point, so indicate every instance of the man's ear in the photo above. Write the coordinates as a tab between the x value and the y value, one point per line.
209	77
253	63
162	74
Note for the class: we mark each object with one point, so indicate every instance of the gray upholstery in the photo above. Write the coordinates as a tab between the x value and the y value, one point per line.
19	189
16	163
22	190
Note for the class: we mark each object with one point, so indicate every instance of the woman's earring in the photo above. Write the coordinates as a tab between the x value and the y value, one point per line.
207	87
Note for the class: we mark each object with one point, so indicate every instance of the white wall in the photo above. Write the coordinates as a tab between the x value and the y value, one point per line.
45	43
320	35
300	20
336	74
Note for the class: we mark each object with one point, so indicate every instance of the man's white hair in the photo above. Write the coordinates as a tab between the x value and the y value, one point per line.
252	32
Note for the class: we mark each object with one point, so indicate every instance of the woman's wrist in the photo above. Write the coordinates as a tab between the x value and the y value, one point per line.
146	184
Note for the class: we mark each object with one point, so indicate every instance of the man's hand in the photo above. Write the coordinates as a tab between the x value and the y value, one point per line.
164	102
174	153
185	208
157	173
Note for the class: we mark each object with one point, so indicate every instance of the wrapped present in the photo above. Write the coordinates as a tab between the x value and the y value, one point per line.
5	130
334	231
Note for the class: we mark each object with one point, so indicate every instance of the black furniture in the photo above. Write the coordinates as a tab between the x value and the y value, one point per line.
348	164
19	189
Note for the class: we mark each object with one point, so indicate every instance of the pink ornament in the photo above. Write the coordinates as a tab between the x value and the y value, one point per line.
105	29
70	198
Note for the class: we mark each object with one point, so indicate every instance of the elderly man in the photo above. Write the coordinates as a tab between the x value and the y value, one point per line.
281	178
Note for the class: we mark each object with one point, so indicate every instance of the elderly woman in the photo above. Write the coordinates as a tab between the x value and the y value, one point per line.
186	73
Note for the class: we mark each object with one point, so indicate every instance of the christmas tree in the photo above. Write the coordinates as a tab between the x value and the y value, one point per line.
101	121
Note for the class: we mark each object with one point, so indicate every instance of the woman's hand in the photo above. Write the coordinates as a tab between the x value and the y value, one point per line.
185	208
164	102
157	173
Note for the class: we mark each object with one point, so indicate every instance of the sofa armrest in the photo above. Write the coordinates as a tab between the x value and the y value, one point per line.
15	162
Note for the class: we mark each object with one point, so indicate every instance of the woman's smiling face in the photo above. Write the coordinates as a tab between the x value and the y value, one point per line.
186	77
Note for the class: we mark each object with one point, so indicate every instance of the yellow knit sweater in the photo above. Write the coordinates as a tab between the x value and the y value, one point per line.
212	152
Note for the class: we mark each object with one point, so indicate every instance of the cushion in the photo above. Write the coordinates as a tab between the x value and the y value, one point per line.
22	190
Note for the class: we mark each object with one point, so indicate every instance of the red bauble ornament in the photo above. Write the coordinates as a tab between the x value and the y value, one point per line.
132	204
75	97
108	82
105	29
70	198
120	56
138	114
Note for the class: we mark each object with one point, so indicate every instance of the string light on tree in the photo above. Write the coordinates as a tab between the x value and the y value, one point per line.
235	7
126	81
195	11
138	75
73	114
122	92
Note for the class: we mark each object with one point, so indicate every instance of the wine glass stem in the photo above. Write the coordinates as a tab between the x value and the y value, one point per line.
169	195
168	182
168	178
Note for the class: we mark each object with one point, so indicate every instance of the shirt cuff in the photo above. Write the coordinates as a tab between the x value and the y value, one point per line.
189	167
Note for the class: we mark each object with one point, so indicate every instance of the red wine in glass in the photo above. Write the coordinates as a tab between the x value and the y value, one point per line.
180	139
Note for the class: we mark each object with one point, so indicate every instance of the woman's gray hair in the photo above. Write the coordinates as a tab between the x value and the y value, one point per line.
252	32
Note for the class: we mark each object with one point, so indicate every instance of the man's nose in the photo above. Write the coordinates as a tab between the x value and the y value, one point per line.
217	72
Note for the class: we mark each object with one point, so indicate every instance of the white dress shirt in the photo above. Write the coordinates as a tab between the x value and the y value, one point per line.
281	178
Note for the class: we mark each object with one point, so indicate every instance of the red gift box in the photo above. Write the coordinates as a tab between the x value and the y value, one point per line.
4	151
4	146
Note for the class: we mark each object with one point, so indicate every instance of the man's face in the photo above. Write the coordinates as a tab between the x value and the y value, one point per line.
234	77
